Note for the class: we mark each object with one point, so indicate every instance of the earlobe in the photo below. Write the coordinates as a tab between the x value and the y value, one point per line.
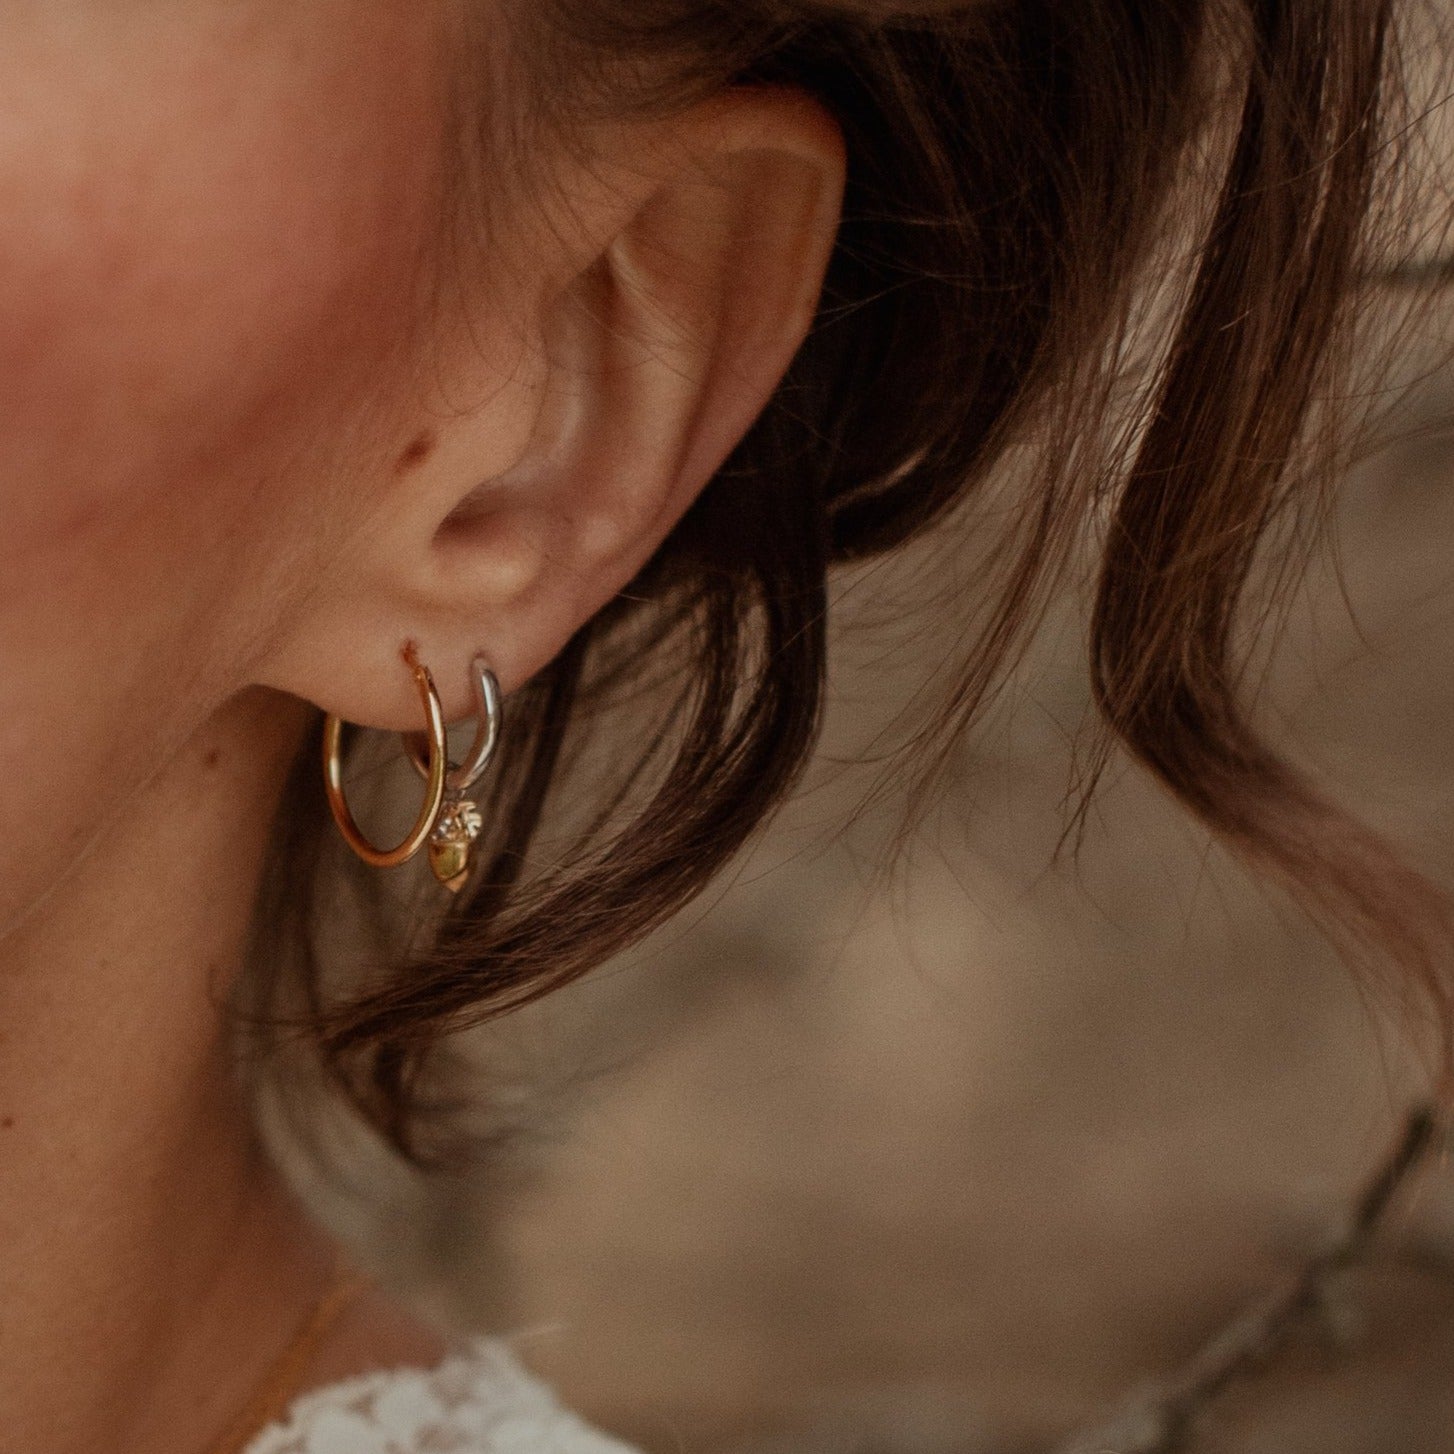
697	247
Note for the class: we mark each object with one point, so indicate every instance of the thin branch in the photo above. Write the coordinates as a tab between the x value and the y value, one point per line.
1430	272
1160	1420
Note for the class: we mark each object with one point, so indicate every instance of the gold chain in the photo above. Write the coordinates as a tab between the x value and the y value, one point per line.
282	1382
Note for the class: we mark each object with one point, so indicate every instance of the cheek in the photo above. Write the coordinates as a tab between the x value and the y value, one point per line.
214	220
200	224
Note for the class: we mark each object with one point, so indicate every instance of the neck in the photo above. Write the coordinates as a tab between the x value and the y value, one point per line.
135	1204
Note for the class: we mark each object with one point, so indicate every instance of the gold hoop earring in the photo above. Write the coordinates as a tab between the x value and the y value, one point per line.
448	821
438	766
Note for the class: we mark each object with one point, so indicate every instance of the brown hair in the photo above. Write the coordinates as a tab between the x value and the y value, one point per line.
1015	166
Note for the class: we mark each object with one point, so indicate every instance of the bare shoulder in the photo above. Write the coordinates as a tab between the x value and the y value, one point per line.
377	1332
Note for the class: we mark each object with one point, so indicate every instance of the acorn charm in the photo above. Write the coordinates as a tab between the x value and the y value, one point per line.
452	840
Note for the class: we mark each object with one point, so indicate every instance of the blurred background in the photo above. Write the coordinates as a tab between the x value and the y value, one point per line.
959	1142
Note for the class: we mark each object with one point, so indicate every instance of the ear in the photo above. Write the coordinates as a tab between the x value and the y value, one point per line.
655	298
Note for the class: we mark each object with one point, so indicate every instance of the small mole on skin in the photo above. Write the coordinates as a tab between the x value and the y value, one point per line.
7	1123
418	450
211	759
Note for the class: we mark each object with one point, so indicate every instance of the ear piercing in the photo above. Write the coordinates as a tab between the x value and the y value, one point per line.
449	823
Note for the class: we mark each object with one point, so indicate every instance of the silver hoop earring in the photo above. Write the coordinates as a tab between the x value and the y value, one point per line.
460	822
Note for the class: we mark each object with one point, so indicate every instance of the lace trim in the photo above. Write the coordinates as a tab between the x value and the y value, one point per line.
478	1401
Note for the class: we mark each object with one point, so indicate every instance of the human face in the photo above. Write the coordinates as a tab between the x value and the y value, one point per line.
216	226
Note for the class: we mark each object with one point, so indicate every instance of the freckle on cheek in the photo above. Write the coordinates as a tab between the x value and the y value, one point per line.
419	449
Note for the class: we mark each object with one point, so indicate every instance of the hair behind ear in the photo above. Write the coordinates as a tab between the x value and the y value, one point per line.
1010	168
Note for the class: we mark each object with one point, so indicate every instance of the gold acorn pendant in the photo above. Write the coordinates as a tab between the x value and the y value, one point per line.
453	840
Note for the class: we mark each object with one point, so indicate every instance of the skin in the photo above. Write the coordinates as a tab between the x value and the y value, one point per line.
274	408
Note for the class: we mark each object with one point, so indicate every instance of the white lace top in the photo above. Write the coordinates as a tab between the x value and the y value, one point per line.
478	1401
